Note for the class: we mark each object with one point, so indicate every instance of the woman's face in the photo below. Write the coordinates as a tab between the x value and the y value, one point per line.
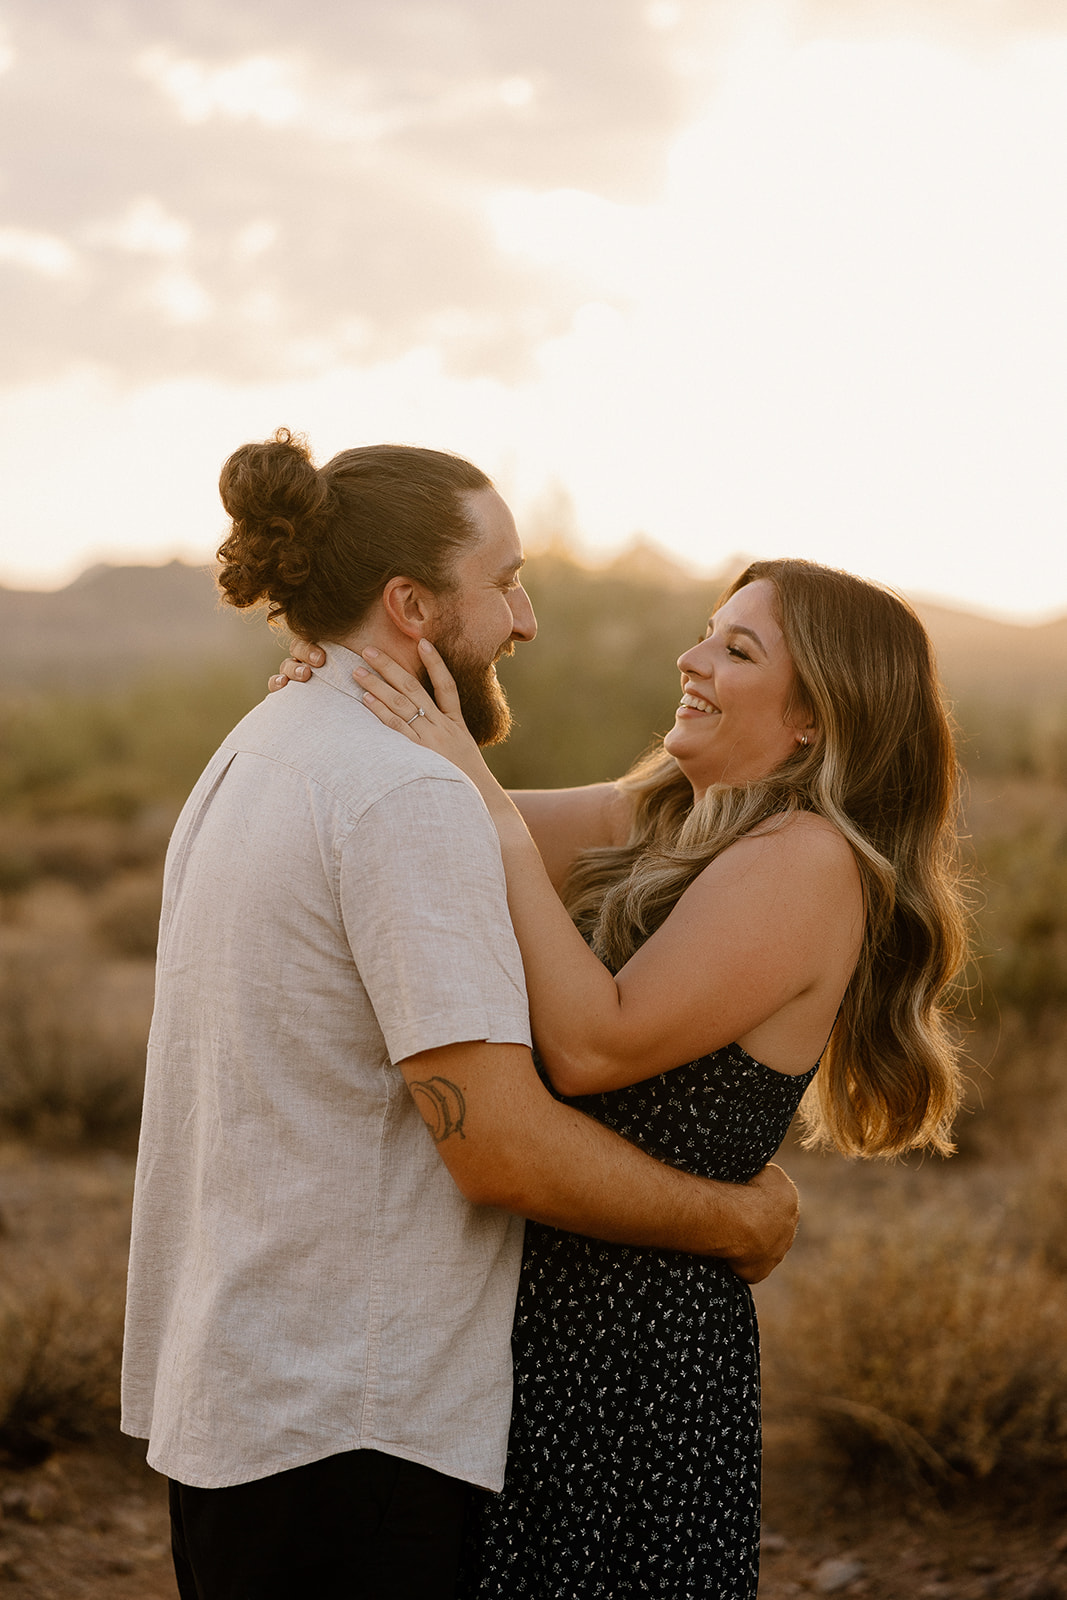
736	722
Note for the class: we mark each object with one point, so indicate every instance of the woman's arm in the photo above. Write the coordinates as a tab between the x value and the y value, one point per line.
759	948
564	822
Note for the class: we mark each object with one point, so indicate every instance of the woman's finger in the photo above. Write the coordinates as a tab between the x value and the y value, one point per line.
444	685
290	671
395	675
303	650
402	705
294	671
391	718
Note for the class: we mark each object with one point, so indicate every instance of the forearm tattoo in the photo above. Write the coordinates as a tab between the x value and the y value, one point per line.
443	1107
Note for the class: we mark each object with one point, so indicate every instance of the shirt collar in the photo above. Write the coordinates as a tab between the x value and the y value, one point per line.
338	670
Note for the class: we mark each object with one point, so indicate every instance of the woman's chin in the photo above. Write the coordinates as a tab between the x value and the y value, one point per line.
677	742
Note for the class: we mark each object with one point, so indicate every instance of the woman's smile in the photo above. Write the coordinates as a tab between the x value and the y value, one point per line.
691	701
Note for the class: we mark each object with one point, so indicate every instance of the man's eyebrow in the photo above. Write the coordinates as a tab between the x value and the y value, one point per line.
510	568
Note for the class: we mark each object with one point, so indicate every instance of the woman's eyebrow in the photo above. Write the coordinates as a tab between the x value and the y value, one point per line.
739	627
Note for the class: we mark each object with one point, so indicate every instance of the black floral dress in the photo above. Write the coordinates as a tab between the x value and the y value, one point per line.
634	1456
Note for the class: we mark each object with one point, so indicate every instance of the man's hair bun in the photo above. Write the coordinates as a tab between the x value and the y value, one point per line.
275	495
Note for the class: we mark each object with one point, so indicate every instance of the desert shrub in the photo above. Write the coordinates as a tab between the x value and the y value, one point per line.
929	1353
60	1352
1025	736
1023	924
84	851
1018	1081
127	913
1037	1206
111	756
66	1072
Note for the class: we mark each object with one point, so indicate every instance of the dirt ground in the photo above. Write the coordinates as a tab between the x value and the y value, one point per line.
91	1524
90	1521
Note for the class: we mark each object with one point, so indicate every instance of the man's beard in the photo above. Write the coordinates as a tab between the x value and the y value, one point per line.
482	700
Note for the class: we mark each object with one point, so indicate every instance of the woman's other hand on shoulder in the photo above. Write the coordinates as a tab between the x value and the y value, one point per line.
296	668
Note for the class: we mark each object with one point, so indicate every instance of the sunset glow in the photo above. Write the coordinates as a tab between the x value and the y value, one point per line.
817	309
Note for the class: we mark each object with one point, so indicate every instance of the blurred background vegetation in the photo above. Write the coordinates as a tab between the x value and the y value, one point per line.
918	1327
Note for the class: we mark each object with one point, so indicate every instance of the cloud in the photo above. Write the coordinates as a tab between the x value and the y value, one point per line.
258	87
40	253
239	192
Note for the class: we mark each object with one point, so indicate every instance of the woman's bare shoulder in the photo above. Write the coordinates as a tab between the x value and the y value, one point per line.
800	840
796	825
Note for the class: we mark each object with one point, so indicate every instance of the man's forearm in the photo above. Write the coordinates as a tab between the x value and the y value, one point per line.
589	1180
508	1143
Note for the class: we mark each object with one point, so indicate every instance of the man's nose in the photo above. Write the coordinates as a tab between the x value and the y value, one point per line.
524	623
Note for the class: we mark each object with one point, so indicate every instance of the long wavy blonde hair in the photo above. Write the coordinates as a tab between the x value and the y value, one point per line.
883	770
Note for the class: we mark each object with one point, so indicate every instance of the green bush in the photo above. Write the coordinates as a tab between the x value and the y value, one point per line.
1023	737
602	678
86	852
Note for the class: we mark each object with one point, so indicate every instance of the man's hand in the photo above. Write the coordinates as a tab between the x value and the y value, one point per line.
775	1214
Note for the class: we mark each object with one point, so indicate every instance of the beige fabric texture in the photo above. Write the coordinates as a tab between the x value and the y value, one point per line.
305	1278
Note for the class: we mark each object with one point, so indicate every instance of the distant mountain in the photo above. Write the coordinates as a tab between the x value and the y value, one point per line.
981	658
114	625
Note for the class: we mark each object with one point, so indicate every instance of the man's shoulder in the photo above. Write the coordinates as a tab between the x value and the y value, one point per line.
330	740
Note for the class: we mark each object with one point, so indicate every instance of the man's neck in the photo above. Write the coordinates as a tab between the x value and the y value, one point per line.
389	640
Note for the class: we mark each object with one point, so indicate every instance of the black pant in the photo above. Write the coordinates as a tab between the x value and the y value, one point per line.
357	1526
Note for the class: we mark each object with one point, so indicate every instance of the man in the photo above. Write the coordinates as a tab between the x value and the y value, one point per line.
343	1124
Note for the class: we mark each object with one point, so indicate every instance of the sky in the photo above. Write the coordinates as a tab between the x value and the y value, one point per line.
772	277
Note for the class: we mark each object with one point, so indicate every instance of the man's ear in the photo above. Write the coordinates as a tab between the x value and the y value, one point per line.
408	605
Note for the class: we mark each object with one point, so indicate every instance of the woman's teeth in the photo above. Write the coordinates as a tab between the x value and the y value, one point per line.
696	703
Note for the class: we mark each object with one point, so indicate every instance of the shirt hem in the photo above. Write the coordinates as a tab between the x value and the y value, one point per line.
480	1479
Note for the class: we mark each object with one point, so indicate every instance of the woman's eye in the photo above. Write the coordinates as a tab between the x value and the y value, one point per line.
739	654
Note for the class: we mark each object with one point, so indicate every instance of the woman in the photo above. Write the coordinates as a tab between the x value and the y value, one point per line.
776	884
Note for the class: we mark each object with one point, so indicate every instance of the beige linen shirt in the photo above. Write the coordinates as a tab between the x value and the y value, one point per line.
305	1278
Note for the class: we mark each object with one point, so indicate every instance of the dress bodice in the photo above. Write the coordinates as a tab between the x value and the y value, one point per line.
722	1116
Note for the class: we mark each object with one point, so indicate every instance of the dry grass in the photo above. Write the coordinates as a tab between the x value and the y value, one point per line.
73	1028
930	1351
61	1344
64	1229
127	913
84	851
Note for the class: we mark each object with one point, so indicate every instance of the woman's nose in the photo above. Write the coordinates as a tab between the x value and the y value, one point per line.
691	660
